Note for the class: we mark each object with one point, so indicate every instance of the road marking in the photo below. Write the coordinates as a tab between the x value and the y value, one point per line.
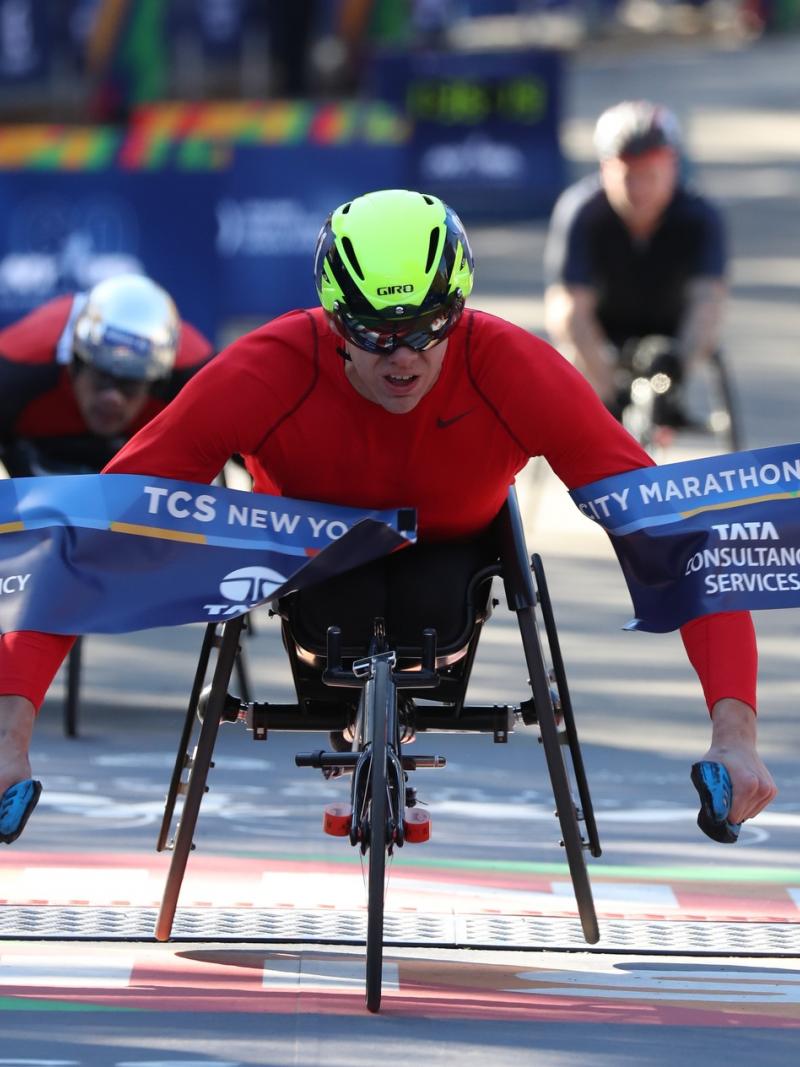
715	983
647	895
87	883
332	975
16	1061
66	972
558	896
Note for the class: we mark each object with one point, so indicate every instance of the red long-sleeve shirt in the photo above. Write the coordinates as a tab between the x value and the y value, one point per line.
280	397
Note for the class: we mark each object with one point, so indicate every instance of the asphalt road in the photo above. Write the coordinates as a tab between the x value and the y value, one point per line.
494	854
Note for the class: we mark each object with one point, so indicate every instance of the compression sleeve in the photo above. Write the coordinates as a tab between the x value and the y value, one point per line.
722	649
29	663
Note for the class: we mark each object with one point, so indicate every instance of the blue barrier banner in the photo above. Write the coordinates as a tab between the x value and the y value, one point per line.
67	231
706	535
111	553
272	203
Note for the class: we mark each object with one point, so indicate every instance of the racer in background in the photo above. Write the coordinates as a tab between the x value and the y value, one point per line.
83	372
392	393
632	252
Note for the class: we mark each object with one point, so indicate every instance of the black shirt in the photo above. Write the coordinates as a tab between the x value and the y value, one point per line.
640	284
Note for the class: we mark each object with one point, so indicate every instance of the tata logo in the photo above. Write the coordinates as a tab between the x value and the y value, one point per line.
745	531
389	290
244	588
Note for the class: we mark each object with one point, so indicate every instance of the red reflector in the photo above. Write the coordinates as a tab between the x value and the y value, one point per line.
336	820
417	826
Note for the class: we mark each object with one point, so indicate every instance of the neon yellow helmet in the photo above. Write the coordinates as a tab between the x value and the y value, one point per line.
393	268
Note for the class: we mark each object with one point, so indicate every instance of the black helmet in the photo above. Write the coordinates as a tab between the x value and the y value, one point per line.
634	127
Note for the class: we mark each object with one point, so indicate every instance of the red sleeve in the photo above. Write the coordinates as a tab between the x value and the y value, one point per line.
722	649
29	663
193	348
33	338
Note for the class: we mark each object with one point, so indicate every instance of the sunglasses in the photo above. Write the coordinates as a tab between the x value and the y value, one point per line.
383	335
101	380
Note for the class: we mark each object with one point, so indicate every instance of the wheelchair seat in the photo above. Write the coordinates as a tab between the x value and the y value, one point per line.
307	651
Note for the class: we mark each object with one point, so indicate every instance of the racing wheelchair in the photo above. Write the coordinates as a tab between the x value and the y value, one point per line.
369	699
660	403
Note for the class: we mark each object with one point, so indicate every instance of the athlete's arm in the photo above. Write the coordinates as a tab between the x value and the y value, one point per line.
584	443
701	324
570	301
570	315
28	365
700	330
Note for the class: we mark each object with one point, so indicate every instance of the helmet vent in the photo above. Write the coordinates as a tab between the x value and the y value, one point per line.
433	244
346	208
350	252
427	199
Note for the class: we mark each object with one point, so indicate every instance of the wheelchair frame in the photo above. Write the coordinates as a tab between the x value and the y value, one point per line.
722	422
74	668
380	771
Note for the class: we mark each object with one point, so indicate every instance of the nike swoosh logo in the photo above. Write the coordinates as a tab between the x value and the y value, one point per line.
444	423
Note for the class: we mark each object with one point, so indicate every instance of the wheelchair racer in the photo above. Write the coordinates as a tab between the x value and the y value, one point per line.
390	393
635	262
83	372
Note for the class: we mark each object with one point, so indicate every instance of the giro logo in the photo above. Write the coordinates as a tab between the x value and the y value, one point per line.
388	290
244	588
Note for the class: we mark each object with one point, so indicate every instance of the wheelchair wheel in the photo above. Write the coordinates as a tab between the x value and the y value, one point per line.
572	839
73	691
209	637
199	765
379	696
570	726
724	421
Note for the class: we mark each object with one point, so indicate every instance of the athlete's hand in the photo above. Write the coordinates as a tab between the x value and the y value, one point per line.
733	744
17	716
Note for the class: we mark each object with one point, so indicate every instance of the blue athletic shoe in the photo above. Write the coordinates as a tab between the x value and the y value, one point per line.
713	783
16	805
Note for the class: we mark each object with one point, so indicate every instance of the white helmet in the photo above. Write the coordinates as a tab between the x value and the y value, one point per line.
128	328
634	127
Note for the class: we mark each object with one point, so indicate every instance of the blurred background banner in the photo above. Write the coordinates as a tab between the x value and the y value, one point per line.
65	235
484	126
269	212
205	141
25	42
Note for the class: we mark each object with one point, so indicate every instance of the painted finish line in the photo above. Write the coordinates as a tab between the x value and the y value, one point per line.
574	988
134	880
